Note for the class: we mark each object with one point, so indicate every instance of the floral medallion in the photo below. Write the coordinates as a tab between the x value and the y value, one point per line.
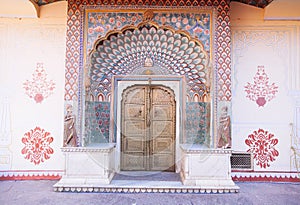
37	145
261	91
39	88
262	145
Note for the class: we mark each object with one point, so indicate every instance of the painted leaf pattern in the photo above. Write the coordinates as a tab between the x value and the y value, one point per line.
261	90
262	145
37	145
39	88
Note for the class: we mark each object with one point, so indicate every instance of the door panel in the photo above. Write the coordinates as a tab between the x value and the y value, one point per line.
135	111
160	162
162	112
134	128
133	162
162	128
148	128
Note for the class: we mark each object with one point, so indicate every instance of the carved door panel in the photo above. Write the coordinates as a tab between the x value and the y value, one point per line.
148	128
134	129
162	129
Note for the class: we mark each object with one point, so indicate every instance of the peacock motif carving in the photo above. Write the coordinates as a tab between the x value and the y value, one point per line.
172	53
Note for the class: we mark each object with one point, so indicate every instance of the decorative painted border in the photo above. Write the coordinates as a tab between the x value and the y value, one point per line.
31	175
236	176
265	176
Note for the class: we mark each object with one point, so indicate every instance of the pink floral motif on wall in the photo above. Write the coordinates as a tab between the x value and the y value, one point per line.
39	88
262	146
261	91
37	145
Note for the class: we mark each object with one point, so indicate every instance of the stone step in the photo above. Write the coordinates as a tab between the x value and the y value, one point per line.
144	186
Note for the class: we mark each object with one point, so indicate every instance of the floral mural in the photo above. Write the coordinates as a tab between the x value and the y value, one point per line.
197	25
197	123
262	145
261	91
37	145
39	88
97	122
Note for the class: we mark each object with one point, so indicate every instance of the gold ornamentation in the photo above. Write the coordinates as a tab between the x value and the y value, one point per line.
148	15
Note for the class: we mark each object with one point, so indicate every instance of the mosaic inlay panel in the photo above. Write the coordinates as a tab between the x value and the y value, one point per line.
197	122
97	122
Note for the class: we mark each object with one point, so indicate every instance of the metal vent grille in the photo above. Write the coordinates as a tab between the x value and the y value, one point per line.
241	161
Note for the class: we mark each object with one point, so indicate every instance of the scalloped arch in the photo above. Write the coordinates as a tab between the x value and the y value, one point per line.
124	53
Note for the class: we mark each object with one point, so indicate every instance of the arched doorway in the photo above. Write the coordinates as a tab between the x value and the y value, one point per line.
148	128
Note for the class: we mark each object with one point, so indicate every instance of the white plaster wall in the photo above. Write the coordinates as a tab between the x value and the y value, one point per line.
283	10
274	45
18	9
23	44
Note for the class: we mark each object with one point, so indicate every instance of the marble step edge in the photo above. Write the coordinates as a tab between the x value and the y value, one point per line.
119	189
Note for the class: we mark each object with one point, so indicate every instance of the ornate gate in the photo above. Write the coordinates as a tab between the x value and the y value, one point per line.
148	128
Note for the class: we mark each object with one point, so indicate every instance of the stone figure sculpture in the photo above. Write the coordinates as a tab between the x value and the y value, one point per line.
224	129
70	134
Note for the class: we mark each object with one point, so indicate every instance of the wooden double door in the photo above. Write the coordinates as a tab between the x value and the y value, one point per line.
148	128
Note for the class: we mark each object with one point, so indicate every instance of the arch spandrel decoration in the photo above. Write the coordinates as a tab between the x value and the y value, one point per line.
196	23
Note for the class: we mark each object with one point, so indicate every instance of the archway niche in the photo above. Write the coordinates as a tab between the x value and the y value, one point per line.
148	54
148	51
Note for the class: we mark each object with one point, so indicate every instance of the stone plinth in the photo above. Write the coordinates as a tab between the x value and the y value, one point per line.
87	166
206	168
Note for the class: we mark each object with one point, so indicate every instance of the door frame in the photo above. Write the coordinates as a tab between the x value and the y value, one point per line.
148	145
120	83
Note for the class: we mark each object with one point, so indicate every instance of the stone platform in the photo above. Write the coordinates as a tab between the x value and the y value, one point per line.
144	182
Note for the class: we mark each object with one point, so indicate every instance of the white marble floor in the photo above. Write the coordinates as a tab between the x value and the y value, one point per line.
147	176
